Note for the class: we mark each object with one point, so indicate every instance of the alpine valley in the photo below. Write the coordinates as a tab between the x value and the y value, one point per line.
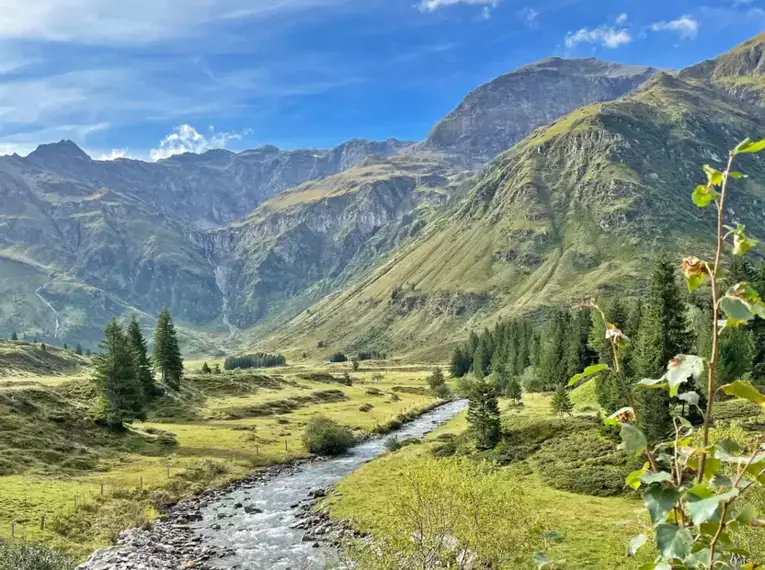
542	187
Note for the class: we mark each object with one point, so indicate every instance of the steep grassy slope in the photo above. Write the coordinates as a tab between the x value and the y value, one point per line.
573	210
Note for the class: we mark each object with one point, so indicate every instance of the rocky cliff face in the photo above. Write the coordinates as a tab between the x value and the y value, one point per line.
500	113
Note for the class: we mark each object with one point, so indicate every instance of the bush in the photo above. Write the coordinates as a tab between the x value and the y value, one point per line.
392	444
323	436
30	557
338	357
366	407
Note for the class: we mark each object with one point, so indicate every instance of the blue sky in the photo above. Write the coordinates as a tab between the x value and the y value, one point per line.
146	78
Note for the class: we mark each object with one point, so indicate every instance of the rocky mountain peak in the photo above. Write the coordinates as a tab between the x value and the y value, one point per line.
62	150
501	112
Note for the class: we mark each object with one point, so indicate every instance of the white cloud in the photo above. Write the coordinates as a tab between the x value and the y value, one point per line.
685	26
607	36
114	154
186	138
433	5
130	21
621	19
530	17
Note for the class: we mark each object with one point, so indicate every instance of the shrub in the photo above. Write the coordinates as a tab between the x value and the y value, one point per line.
323	436
31	557
338	357
392	444
366	407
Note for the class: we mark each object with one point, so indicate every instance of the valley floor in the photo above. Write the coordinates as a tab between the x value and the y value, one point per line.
89	484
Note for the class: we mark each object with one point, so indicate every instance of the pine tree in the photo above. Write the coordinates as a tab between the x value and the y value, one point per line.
206	369
116	380
43	347
561	401
167	354
66	347
663	334
14	336
578	355
137	344
78	349
514	390
483	415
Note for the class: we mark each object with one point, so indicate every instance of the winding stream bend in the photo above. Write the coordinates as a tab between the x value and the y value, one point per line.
264	540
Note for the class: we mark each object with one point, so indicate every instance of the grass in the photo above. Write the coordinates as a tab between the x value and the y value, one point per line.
590	532
141	469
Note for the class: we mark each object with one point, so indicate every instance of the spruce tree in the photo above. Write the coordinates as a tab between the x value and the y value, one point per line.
514	390
206	369
553	365
78	349
483	415
43	347
482	358
462	361
561	401
14	336
167	354
137	344
66	347
116	380
663	334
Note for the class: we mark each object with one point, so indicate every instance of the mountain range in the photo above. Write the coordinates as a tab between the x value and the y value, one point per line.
550	183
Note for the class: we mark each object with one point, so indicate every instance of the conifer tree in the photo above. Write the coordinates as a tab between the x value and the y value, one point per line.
561	401
78	349
663	334
552	366
66	347
144	373
14	336
482	358
43	347
514	390
483	415
216	369
167	354
462	361
206	369
116	380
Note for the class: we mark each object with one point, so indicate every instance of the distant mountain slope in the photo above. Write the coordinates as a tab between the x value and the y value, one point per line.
575	209
500	113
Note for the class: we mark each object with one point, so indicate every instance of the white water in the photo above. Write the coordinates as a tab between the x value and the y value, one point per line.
221	281
55	312
265	540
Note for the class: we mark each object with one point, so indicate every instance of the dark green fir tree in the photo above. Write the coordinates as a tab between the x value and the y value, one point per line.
140	350
483	415
167	354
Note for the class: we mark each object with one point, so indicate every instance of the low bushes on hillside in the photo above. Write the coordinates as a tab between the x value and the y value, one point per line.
30	557
324	436
338	357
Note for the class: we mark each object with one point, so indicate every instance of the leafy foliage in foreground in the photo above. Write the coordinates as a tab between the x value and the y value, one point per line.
693	490
444	513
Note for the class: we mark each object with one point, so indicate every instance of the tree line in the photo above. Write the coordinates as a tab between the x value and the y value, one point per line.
257	360
662	323
124	374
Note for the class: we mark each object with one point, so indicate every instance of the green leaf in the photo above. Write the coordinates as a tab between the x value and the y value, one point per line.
623	414
727	450
682	367
741	242
745	390
660	501
700	559
711	467
673	542
736	175
705	509
746	513
636	543
633	479
714	176
741	303
660	477
691	397
747	145
703	196
653	383
694	270
588	372
757	470
633	439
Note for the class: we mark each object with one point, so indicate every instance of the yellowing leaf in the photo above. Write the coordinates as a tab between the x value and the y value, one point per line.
747	145
744	389
714	176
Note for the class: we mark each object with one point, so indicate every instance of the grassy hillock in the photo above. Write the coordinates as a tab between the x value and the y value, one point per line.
21	358
53	456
